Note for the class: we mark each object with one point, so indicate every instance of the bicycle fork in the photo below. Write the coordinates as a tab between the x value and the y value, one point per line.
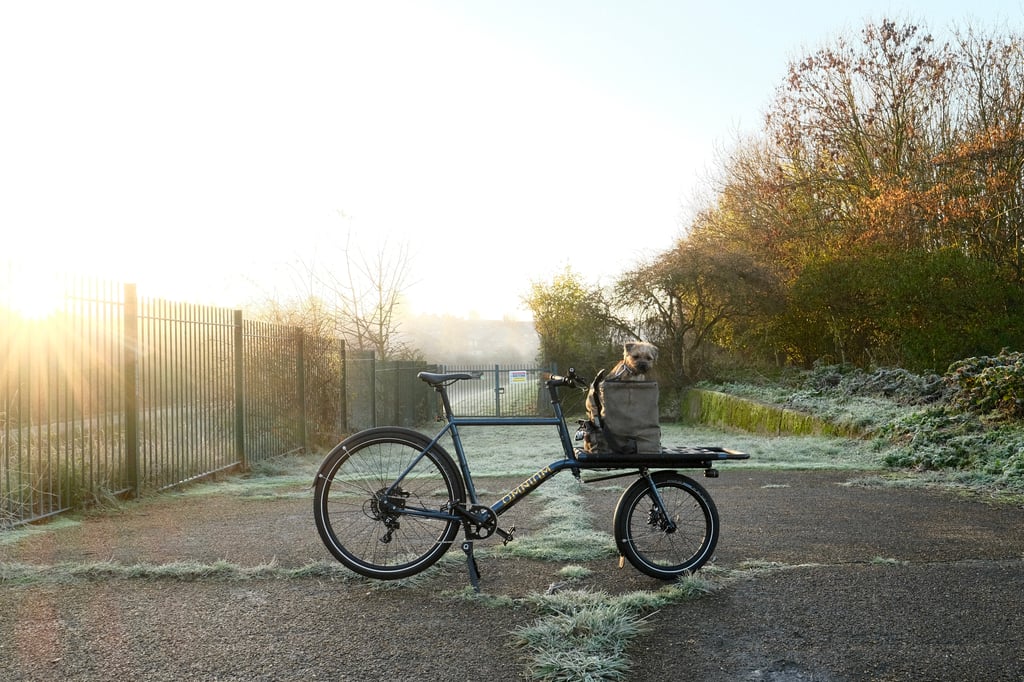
658	515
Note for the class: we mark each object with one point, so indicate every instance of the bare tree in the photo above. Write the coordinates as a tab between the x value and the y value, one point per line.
688	297
349	295
366	293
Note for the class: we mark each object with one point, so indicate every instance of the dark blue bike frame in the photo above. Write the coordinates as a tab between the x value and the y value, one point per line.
575	459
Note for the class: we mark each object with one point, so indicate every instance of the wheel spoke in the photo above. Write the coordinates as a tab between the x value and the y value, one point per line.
364	517
666	541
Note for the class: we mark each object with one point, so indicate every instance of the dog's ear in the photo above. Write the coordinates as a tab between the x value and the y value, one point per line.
628	346
654	352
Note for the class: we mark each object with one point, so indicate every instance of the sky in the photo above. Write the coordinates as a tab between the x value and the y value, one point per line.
219	152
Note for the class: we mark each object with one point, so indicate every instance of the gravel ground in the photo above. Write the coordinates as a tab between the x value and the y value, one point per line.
819	580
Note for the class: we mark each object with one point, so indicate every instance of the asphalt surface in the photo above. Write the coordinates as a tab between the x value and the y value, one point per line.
819	579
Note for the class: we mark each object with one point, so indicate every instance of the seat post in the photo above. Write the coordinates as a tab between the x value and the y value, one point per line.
445	402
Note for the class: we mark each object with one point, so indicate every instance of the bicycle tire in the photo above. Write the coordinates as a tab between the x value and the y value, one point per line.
354	518
640	528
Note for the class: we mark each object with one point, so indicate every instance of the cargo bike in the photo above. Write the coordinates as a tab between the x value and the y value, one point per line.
389	502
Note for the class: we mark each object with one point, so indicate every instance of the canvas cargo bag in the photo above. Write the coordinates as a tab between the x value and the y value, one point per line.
623	418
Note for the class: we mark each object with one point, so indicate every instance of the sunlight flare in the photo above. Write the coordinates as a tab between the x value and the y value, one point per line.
30	294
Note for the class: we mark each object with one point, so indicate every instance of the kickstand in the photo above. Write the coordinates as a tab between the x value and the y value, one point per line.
474	571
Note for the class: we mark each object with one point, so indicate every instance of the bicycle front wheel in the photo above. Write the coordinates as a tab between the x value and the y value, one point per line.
668	539
375	526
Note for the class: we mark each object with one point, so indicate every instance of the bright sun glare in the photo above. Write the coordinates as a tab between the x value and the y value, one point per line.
31	296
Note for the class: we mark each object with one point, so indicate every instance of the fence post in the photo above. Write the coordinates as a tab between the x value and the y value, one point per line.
343	399
300	370
131	396
396	410
239	392
497	390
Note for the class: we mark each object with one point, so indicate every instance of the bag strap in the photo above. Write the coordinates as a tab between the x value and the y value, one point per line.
595	394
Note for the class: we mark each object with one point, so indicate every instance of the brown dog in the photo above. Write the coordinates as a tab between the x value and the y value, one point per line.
637	362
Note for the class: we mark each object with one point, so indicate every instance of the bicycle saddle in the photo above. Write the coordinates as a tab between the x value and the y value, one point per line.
435	379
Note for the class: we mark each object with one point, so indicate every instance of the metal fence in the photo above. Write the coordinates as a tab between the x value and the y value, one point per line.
107	394
512	390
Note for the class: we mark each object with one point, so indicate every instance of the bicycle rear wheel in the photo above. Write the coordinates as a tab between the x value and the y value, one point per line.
381	531
666	542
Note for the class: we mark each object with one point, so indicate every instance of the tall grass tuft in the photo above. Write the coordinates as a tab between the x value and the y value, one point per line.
721	409
180	571
584	637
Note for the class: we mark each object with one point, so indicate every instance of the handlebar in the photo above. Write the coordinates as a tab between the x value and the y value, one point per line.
571	378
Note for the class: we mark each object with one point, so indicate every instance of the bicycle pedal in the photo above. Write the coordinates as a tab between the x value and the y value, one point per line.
507	536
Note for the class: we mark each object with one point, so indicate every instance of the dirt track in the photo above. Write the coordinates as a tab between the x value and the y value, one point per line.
857	583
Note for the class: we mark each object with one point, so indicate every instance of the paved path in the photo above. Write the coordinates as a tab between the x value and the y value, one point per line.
828	582
880	584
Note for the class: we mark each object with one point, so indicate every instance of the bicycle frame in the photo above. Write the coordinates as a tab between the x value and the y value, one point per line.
574	459
503	504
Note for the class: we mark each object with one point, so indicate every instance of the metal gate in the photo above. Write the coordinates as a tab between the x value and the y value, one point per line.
513	390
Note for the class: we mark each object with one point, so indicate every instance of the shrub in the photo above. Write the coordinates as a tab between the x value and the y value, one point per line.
893	383
935	439
916	309
989	385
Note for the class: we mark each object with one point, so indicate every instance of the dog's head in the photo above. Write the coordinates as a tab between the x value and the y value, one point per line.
639	356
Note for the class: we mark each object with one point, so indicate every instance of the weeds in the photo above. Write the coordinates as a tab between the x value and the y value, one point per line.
967	423
584	635
574	572
184	571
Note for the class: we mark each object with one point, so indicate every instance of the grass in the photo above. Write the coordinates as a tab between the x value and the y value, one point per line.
16	535
781	452
574	572
584	635
857	413
506	450
15	573
522	450
584	640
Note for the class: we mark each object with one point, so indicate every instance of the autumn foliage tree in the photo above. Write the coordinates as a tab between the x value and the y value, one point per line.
878	218
574	323
981	164
914	308
888	182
